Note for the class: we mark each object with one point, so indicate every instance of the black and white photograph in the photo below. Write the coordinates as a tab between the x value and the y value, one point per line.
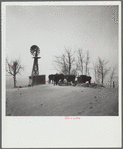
61	59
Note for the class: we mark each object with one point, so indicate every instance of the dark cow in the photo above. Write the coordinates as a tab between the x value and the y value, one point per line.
58	77
84	79
51	77
70	78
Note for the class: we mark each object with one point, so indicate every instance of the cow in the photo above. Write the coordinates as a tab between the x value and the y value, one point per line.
84	79
58	77
70	78
51	77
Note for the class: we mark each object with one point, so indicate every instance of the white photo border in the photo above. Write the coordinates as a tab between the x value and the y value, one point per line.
39	132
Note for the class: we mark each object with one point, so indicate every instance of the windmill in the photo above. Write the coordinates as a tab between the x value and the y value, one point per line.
35	51
35	78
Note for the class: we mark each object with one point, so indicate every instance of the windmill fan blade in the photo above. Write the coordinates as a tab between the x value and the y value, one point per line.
34	50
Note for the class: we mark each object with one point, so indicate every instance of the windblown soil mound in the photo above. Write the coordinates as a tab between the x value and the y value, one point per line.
50	100
92	85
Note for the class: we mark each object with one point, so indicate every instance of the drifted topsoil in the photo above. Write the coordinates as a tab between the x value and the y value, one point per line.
50	100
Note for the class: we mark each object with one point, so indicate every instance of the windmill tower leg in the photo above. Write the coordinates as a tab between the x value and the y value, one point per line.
35	69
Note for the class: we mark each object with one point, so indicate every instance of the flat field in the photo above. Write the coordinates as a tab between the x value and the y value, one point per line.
50	100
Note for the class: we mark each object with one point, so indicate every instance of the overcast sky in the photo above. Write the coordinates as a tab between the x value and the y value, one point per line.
51	28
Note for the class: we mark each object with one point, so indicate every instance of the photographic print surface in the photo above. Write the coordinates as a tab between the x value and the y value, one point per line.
74	71
61	83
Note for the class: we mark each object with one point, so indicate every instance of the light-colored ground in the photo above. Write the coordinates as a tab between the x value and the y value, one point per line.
49	100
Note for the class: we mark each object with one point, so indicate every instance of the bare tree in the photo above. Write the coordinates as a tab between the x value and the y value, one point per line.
75	70
80	60
60	64
112	76
65	62
96	74
87	61
65	66
102	69
70	59
88	72
14	68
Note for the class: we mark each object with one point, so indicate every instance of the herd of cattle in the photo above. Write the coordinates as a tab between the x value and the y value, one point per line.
56	78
